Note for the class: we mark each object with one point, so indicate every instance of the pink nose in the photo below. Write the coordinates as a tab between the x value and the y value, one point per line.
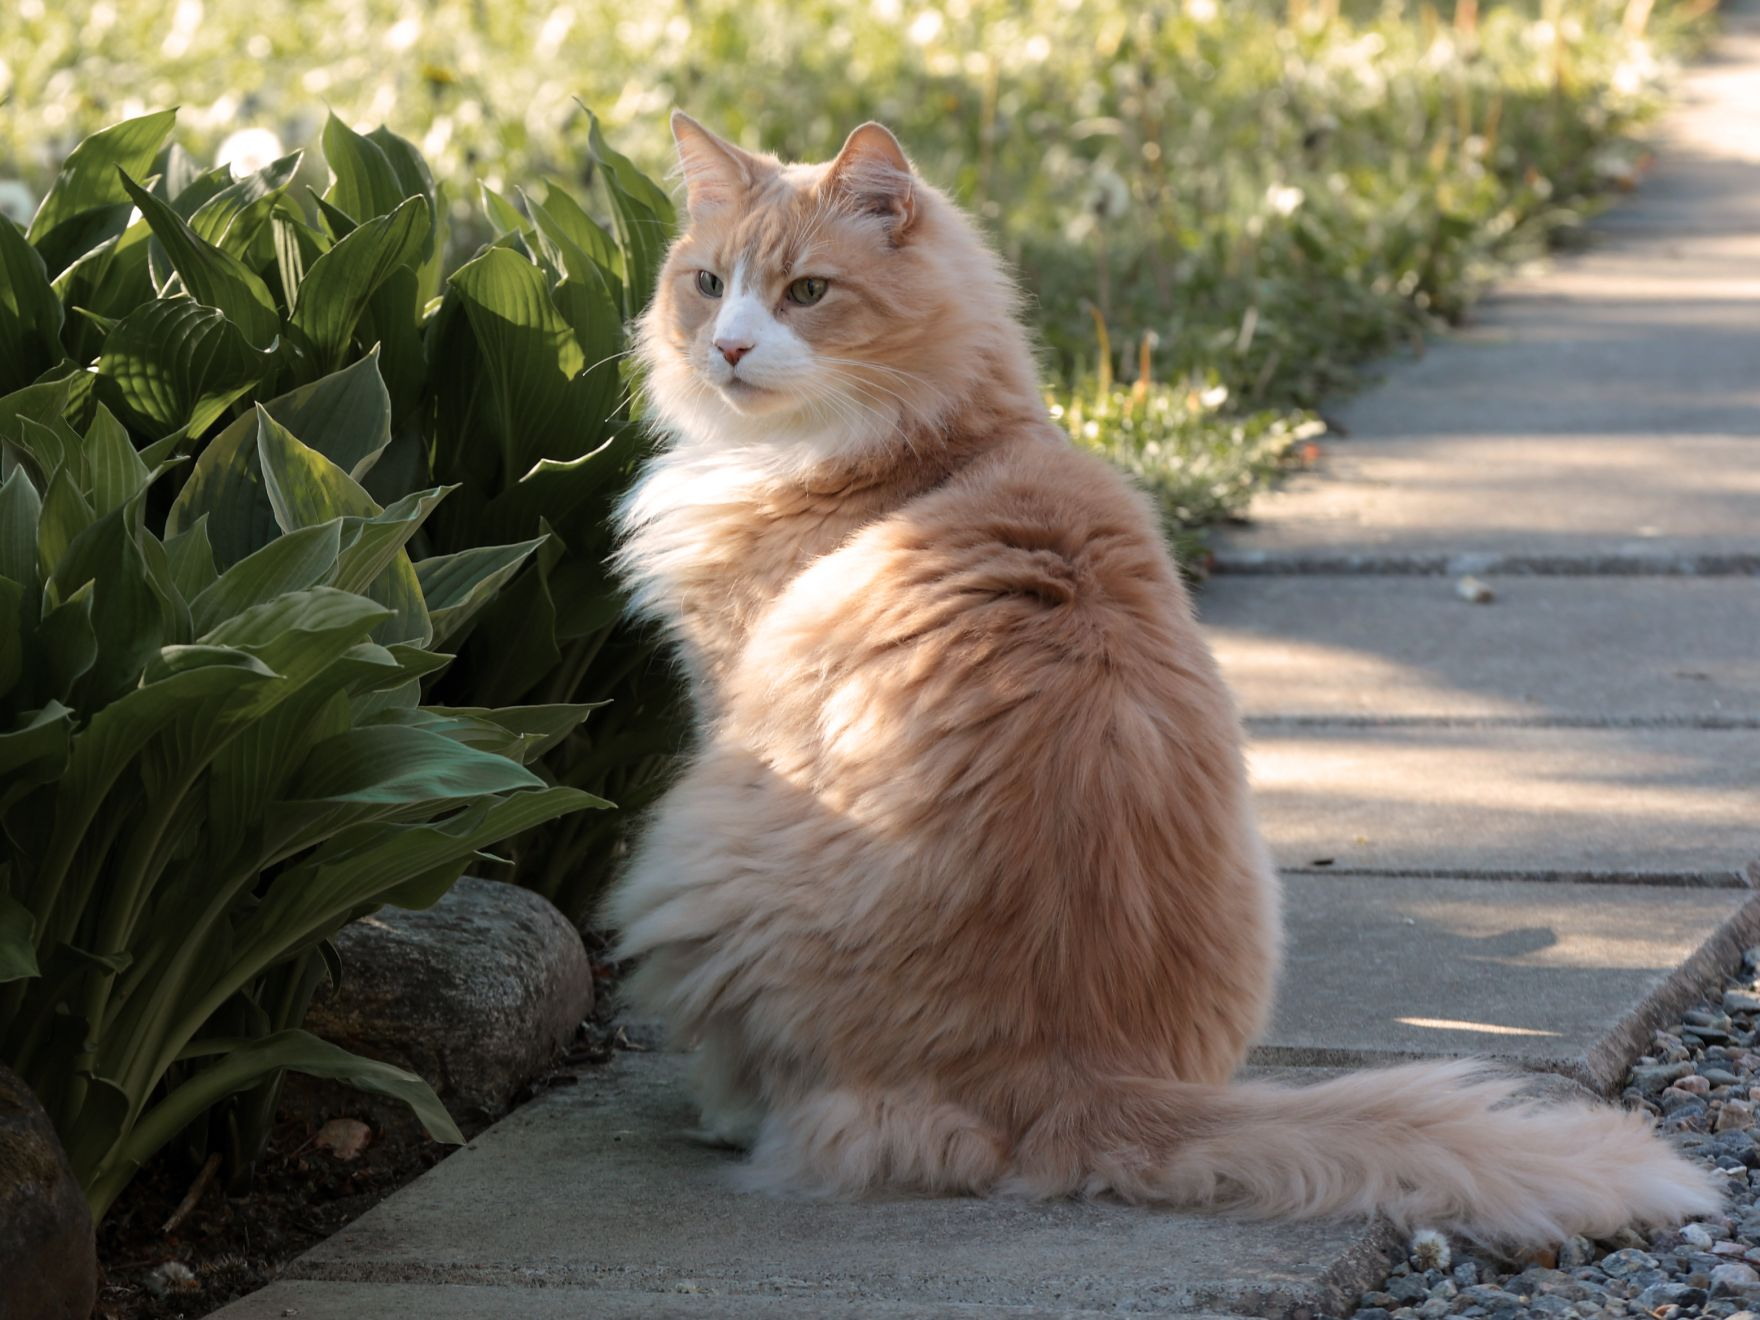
732	350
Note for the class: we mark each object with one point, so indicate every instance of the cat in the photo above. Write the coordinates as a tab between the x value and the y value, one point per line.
961	890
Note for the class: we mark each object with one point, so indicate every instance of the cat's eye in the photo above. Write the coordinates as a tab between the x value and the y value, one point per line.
805	292
709	283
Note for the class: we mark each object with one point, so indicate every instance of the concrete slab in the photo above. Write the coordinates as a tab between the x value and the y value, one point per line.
1569	978
1622	650
397	1301
596	1191
1555	803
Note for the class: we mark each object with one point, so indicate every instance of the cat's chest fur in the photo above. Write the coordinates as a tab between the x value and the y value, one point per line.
712	537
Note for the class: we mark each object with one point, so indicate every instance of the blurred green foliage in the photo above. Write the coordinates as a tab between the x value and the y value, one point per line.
1275	189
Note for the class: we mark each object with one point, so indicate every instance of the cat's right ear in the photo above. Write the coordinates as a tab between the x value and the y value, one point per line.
715	172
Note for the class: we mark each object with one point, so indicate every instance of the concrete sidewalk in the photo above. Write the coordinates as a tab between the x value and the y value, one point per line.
1526	828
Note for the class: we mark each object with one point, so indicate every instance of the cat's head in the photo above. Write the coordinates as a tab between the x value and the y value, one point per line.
830	307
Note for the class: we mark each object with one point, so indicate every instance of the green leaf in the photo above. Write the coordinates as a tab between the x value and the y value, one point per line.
364	183
87	203
212	276
176	365
305	488
233	217
20	508
338	286
191	559
65	515
396	764
503	214
300	559
128	615
457	586
30	313
243	1068
530	358
644	215
115	473
108	282
18	940
346	416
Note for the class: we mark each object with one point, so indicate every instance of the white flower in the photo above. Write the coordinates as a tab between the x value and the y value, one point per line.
16	201
249	150
926	26
1283	198
1201	11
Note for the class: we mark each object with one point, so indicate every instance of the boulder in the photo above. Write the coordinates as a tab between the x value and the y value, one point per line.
476	994
48	1257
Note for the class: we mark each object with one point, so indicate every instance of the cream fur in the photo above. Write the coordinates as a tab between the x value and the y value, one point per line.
961	890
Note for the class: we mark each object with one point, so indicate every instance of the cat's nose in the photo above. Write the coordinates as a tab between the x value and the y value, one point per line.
733	350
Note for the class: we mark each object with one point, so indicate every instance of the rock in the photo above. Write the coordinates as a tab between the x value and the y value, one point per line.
1409	1290
1653	1077
1576	1251
1627	1261
1734	1279
476	994
345	1138
1741	1001
1696	1235
47	1254
1695	1085
1737	1116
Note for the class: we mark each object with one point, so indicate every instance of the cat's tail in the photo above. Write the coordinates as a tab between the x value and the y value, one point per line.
1442	1144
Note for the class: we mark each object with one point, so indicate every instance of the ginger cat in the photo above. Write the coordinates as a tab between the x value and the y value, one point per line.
961	891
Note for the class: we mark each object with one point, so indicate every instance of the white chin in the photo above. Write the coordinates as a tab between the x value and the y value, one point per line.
751	400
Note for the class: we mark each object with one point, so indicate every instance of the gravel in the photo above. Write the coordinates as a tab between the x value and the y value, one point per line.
1701	1081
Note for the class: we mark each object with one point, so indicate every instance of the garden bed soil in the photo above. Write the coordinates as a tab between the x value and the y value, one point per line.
228	1246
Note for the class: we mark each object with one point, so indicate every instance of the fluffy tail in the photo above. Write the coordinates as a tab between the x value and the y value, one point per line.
1441	1144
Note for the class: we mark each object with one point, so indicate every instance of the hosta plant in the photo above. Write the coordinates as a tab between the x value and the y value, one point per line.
178	298
204	773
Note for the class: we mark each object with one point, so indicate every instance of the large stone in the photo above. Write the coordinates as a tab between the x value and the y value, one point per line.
596	1193
476	994
1380	648
1569	978
1561	803
48	1262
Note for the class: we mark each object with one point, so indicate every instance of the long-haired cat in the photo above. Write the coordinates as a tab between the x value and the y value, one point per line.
961	891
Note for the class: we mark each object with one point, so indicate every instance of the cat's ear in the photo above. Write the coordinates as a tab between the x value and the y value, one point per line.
715	172
872	170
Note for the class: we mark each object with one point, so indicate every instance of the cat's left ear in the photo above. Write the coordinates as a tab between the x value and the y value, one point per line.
872	169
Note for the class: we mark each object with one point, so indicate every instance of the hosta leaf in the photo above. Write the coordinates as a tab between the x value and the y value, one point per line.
128	617
346	416
502	214
305	488
87	203
457	586
242	1068
191	559
174	660
525	732
644	214
174	364
396	764
529	356
212	276
293	562
364	183
18	937
30	313
20	508
67	645
65	514
41	739
109	281
373	544
338	286
232	217
565	223
114	471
